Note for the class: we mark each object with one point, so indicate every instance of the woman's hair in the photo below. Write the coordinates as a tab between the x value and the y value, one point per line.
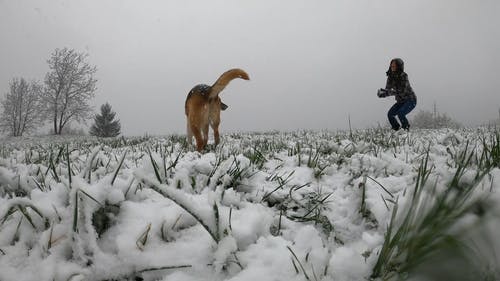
400	65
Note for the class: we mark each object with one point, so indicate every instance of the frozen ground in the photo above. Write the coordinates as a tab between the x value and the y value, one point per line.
274	206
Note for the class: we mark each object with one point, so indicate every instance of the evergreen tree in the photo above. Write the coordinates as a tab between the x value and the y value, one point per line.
104	123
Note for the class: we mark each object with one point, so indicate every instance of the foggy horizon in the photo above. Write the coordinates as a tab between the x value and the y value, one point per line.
311	63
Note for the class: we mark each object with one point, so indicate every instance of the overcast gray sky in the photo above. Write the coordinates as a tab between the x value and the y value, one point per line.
311	63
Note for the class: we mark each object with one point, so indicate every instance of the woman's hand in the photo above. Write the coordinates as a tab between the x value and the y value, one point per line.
382	93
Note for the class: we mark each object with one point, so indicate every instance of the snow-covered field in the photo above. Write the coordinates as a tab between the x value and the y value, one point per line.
271	206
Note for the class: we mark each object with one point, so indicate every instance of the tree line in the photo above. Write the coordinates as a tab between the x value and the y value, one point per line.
63	97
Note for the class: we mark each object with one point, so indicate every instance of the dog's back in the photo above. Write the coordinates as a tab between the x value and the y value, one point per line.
200	94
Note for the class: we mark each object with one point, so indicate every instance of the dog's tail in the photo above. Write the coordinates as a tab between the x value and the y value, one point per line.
224	80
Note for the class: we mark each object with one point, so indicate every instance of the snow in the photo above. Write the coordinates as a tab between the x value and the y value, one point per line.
219	215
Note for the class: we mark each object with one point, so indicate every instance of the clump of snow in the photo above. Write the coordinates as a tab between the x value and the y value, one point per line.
347	264
115	196
225	248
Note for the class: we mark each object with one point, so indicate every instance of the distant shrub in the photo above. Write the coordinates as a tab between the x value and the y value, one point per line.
428	120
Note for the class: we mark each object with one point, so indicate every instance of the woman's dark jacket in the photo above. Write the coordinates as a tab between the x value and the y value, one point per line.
398	81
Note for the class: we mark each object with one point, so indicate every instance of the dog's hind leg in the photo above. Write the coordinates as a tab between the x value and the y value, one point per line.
205	135
214	123
189	134
199	138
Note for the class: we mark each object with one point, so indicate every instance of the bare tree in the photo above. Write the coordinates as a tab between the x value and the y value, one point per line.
21	107
69	86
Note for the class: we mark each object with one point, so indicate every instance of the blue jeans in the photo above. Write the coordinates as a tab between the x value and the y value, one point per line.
400	110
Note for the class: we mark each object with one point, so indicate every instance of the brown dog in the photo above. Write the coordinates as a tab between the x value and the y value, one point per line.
203	107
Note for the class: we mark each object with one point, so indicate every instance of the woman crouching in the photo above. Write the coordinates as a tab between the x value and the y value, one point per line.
398	85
